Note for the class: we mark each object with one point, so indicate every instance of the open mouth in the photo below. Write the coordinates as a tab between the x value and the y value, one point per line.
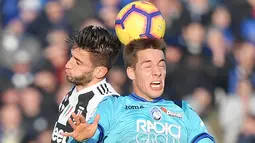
156	85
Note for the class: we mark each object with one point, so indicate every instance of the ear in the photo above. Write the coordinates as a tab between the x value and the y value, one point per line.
130	73
100	72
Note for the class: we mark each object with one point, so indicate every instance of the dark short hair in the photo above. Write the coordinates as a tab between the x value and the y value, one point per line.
104	46
130	51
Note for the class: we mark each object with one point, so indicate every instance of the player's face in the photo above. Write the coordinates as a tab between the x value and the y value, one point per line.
150	73
79	69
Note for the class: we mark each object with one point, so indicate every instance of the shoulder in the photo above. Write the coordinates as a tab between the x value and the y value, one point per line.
189	111
185	107
113	99
103	88
194	119
176	103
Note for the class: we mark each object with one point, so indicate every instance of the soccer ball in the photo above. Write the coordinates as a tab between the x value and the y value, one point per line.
139	19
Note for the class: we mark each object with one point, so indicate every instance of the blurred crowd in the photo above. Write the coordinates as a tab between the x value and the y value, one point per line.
210	59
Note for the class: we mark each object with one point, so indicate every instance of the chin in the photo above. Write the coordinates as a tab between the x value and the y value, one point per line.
156	94
70	79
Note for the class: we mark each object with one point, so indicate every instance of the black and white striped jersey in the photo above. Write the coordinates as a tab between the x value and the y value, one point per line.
82	102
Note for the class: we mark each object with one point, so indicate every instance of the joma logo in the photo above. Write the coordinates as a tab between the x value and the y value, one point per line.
133	107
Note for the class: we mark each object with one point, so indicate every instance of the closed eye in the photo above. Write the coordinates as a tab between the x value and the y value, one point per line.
78	63
147	66
162	64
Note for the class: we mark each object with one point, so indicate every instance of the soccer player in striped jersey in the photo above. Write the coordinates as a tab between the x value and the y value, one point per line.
93	51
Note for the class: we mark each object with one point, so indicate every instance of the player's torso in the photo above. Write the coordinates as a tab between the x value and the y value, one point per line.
70	103
84	104
145	122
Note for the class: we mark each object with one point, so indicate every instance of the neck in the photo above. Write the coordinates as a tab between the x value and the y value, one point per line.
140	94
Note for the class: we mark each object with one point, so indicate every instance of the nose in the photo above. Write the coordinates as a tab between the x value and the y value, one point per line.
157	71
68	64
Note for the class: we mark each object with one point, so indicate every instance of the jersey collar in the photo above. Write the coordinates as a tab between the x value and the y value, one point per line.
138	98
90	88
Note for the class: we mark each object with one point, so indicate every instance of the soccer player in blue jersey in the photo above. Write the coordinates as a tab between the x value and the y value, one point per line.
142	116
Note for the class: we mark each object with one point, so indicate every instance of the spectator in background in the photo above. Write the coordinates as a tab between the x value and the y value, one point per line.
10	96
240	12
29	10
193	40
53	60
9	11
247	134
44	137
108	15
201	101
92	21
174	55
222	60
33	120
78	10
248	30
217	45
241	104
50	18
221	20
21	69
195	69
118	79
244	68
14	39
10	131
200	11
11	40
57	36
46	83
5	81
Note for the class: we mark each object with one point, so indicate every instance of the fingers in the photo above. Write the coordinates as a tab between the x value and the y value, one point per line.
71	134
67	134
76	119
96	120
71	123
82	119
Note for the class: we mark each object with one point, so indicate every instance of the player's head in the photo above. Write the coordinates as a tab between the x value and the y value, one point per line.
146	67
94	50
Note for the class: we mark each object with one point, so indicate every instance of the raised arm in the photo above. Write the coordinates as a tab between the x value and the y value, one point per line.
81	129
97	127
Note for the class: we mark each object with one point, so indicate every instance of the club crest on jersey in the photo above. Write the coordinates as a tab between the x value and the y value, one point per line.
156	113
169	113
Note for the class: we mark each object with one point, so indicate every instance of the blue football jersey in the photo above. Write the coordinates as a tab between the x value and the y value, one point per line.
132	119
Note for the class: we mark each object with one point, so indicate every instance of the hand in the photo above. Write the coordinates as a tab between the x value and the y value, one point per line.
81	129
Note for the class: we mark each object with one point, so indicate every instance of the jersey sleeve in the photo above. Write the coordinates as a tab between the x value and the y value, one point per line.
197	130
106	111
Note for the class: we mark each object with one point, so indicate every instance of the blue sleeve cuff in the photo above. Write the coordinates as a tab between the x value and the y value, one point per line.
202	136
101	134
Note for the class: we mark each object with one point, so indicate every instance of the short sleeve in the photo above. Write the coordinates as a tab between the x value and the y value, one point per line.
197	131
